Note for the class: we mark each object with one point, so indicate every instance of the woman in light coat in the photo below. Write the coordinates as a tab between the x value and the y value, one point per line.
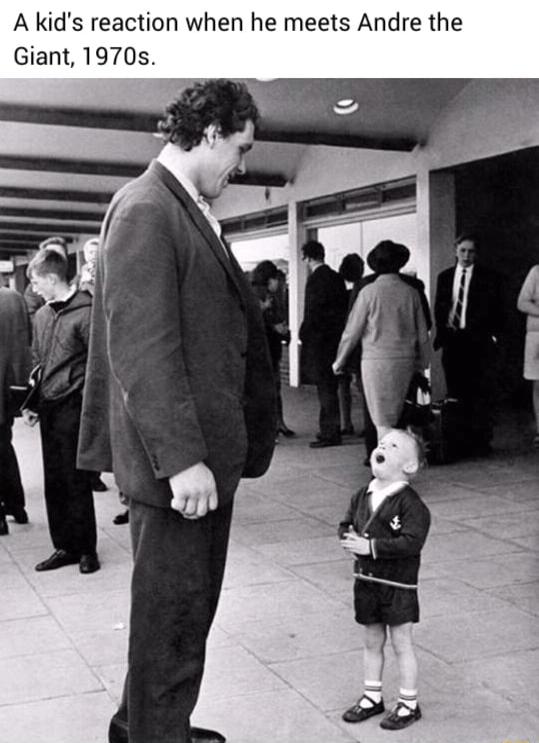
388	320
528	302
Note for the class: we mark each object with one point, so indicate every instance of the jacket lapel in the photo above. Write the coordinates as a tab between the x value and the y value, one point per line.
215	244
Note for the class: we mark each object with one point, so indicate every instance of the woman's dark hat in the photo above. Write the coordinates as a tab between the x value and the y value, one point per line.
388	257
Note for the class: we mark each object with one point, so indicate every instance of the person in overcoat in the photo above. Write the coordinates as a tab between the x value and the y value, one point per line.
324	318
15	362
179	400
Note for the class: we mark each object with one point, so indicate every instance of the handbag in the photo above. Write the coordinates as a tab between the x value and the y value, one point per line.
417	410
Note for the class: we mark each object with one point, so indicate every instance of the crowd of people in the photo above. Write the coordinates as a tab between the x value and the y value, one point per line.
161	363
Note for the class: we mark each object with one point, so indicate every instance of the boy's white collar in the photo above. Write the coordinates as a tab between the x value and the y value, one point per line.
375	486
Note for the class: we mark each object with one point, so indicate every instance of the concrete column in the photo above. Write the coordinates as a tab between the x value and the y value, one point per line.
296	278
436	225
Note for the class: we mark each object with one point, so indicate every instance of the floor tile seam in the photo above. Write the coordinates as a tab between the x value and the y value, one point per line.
57	651
478	558
41	700
485	489
311	704
309	656
511	550
292	579
488	612
514	656
476	658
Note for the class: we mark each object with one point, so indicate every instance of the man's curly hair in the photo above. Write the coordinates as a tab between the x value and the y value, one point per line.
227	104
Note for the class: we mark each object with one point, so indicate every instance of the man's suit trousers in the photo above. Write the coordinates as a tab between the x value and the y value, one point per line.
11	490
177	576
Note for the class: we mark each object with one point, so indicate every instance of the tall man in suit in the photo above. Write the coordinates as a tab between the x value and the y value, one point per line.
468	312
324	318
179	369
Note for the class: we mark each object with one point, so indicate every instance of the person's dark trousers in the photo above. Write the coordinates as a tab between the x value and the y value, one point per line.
68	492
327	387
177	576
469	362
371	435
11	490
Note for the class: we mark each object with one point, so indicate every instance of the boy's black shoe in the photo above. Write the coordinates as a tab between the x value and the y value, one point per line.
357	713
394	721
4	528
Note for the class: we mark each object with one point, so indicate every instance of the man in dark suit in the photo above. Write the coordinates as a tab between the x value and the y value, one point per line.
469	312
179	369
324	318
14	369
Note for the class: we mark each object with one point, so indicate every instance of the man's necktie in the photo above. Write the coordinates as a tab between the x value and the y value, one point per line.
457	313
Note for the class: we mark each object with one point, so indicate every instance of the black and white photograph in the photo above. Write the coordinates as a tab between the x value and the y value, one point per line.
269	409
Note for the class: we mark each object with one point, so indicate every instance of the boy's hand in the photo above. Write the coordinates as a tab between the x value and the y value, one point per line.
356	545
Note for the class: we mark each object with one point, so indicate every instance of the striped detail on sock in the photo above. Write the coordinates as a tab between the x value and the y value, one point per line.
408	697
373	690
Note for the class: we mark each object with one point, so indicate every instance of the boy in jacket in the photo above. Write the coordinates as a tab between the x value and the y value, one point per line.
60	347
385	528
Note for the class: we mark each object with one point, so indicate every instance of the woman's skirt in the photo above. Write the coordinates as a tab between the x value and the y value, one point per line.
531	355
385	384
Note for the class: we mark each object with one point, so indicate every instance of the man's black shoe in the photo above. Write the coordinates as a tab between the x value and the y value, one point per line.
118	732
322	443
201	735
20	515
288	432
89	564
98	486
121	518
4	529
57	560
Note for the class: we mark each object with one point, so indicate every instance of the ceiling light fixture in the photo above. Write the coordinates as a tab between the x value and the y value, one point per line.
345	106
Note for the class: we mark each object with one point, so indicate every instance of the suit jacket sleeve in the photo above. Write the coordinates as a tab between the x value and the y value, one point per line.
142	308
355	326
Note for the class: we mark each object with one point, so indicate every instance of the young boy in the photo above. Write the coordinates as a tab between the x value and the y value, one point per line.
60	347
385	528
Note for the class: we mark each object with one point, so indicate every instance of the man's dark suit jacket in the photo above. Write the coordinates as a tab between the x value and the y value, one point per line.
179	369
485	308
324	318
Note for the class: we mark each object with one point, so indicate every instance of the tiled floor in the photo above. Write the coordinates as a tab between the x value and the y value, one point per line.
285	654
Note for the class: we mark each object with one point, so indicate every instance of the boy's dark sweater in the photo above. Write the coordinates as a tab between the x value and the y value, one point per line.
396	531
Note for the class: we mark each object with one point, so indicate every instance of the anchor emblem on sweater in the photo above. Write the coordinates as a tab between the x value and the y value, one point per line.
395	523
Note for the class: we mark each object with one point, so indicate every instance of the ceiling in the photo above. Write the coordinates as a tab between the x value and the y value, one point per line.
67	144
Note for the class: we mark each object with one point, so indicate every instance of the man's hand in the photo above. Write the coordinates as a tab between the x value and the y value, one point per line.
352	542
30	417
194	491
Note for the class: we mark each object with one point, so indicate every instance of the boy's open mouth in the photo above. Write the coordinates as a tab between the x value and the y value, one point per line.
380	458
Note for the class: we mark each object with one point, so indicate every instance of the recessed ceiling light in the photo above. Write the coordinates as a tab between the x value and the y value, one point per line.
345	106
266	79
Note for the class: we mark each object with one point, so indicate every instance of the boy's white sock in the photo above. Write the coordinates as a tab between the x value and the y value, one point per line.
373	690
409	698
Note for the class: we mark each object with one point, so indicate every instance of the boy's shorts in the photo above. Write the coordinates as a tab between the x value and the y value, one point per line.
377	603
